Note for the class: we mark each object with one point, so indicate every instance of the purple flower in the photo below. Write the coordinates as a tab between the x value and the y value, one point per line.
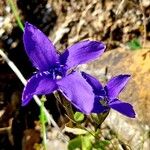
54	70
106	98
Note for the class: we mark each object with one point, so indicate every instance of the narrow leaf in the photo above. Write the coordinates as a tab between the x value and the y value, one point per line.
74	143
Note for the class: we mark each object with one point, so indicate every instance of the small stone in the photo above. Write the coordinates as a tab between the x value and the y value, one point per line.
138	12
7	9
126	29
138	23
146	3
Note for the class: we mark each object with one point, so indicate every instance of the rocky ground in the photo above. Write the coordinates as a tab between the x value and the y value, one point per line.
135	132
116	23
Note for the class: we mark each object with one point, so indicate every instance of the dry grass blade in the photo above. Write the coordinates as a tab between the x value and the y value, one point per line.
23	80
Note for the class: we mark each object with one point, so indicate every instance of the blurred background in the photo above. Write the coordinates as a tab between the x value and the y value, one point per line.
123	25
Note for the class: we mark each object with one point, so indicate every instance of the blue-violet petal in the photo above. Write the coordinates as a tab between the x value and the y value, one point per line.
96	85
116	85
77	90
39	48
39	84
81	52
122	107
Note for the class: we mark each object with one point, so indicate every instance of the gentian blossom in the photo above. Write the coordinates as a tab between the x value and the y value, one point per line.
55	71
106	97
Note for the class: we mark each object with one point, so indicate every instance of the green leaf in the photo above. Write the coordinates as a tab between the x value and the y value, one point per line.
101	145
87	142
78	117
75	143
81	142
134	44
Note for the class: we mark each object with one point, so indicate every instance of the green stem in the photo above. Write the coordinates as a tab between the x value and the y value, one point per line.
43	120
15	11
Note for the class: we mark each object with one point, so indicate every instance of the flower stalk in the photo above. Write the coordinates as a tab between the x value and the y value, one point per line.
43	120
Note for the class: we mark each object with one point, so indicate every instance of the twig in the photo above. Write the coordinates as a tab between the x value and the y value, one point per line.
144	24
23	80
121	7
5	130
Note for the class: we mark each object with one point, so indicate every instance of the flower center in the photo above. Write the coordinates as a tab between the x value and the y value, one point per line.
58	72
103	101
55	73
